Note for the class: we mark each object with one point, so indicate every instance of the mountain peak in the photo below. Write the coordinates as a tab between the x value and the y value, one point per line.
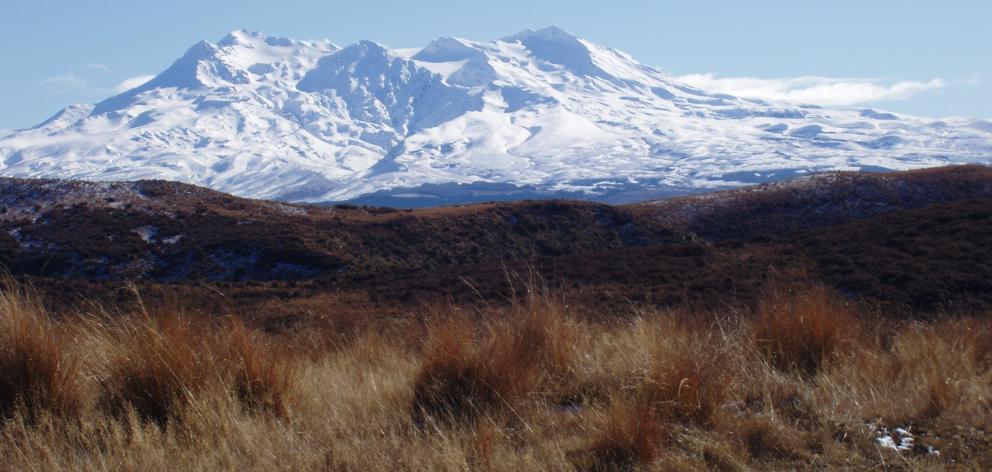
182	74
557	46
249	38
240	36
201	50
544	110
372	46
447	49
366	48
379	86
551	33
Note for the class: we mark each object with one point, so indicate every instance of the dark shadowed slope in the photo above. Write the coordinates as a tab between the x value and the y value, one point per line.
917	239
776	210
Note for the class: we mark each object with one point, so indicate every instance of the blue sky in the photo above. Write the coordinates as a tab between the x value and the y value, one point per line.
927	58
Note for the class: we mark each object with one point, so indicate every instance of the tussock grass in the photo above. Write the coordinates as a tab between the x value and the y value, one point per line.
37	375
689	380
528	386
803	331
263	377
466	373
631	437
764	438
162	364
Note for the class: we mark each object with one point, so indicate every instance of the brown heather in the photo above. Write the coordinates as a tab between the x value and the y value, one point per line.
803	383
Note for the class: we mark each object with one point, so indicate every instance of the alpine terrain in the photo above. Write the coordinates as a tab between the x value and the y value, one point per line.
537	114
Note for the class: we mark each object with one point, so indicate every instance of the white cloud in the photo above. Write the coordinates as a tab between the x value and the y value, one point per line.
815	90
99	67
63	82
972	80
133	82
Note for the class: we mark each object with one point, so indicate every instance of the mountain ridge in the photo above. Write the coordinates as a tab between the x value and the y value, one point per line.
545	113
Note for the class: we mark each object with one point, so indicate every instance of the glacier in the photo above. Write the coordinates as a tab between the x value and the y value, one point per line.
537	114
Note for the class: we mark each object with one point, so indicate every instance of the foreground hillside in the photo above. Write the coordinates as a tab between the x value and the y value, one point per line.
837	321
911	241
803	382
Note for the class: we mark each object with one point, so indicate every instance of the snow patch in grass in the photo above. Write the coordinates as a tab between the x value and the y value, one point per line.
146	233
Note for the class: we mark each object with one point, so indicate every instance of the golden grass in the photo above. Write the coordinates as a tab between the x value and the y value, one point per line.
526	387
264	378
465	374
36	373
161	364
630	436
802	331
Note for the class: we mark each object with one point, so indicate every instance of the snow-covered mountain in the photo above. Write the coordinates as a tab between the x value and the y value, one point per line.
537	113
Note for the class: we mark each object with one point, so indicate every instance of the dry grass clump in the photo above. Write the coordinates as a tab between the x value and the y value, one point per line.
263	376
524	387
804	330
630	437
689	380
36	372
973	336
934	372
764	438
455	381
161	364
466	373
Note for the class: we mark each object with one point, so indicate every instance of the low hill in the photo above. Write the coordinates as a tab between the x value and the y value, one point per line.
777	210
918	239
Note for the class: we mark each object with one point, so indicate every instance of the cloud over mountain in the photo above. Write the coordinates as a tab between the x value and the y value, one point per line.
811	89
132	82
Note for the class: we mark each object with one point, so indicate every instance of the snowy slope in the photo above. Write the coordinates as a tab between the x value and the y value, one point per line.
544	110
